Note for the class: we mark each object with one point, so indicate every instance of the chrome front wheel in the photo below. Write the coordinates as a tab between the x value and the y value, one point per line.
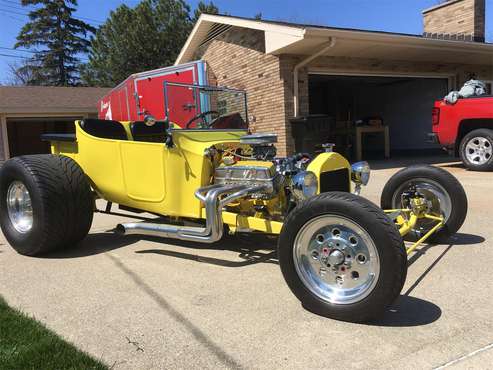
342	257
437	198
336	259
442	193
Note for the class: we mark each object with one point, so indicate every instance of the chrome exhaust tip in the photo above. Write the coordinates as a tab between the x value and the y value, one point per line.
120	229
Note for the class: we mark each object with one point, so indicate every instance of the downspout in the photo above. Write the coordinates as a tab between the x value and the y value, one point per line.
303	63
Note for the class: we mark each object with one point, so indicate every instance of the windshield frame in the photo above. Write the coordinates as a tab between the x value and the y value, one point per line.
197	88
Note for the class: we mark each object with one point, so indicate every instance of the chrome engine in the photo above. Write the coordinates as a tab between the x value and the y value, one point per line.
257	166
251	175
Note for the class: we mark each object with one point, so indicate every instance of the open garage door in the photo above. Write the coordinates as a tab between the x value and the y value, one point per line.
24	134
404	104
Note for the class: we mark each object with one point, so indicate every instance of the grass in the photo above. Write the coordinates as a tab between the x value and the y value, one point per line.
27	344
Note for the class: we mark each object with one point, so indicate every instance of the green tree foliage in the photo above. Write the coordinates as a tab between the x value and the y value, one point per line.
145	37
61	38
206	8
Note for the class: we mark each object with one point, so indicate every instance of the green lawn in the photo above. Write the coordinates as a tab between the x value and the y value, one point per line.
28	344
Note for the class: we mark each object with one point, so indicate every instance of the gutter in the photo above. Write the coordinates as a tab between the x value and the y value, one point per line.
303	63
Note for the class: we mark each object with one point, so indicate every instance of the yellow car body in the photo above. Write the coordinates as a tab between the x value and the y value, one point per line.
156	178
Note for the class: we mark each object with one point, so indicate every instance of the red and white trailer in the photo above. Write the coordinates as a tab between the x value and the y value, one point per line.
143	94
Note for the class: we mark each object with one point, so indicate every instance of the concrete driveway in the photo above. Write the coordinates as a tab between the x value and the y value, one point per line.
142	304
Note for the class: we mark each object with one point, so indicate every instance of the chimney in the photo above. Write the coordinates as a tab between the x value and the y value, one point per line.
462	20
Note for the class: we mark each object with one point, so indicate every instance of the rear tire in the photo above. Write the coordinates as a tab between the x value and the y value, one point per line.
359	269
476	150
57	203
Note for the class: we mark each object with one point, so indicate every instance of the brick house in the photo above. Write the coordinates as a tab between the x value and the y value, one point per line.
344	75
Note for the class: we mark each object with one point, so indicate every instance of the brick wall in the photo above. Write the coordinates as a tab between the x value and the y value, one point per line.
457	20
237	59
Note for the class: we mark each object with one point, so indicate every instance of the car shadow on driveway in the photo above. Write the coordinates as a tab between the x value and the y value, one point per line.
409	311
251	249
412	311
95	243
458	239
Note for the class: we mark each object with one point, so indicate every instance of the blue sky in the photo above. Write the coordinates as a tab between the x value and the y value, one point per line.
384	15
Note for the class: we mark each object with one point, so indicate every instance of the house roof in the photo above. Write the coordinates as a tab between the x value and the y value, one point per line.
49	99
306	39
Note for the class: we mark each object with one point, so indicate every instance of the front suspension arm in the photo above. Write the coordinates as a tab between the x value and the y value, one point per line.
406	224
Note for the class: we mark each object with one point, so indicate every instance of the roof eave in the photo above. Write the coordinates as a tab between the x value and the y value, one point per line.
274	33
46	111
415	40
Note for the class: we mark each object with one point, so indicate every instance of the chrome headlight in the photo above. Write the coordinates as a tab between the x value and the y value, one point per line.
360	173
304	185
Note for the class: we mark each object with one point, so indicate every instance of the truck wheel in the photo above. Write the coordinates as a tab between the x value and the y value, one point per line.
443	192
342	257
476	150
46	203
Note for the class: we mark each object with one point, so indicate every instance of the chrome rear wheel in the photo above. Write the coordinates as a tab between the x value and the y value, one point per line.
19	207
45	203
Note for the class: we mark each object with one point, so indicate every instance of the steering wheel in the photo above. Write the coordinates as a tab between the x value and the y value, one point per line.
202	116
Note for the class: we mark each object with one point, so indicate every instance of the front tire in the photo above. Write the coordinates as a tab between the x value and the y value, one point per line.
46	203
342	257
443	192
476	150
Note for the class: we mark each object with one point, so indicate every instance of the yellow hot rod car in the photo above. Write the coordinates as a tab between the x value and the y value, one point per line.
341	255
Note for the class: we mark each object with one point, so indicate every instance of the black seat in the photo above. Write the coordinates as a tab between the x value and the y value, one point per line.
154	134
104	128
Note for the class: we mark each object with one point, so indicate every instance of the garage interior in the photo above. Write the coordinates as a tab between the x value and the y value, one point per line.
340	104
24	134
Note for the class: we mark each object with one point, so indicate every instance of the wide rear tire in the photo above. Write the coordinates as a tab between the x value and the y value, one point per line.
342	257
46	203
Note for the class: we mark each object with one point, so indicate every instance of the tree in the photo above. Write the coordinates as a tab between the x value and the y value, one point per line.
205	8
21	73
62	38
145	37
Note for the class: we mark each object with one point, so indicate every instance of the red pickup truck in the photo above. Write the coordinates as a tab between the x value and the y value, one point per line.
466	129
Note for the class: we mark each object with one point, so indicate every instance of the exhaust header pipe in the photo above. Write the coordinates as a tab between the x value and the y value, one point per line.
213	230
